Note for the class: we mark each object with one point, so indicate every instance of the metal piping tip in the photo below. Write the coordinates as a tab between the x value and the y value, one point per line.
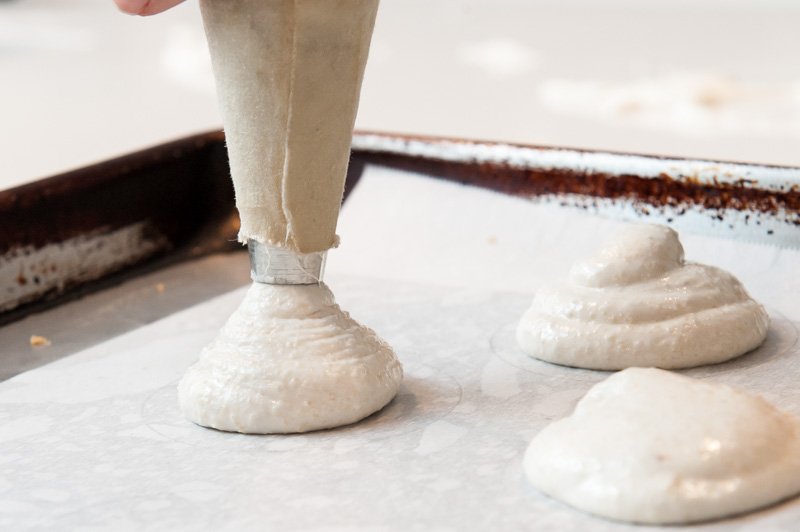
274	265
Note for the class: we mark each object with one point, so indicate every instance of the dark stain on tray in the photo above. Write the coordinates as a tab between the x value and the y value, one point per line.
180	194
171	187
585	188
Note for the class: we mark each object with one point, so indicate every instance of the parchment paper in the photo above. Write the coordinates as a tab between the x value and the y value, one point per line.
95	441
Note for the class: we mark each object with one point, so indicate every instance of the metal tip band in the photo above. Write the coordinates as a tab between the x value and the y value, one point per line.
274	265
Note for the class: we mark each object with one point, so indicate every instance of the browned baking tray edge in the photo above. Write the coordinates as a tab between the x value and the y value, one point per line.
84	230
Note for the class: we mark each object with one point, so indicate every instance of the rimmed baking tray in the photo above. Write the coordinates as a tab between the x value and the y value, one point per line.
97	437
79	231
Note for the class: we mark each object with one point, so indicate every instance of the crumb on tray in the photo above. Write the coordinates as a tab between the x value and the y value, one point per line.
160	288
39	341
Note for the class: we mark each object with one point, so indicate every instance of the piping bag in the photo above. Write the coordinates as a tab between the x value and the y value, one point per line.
288	76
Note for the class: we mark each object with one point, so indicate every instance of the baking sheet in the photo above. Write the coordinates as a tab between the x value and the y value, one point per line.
96	440
76	325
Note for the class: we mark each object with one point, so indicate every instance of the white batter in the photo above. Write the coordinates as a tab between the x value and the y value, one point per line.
289	360
638	303
650	446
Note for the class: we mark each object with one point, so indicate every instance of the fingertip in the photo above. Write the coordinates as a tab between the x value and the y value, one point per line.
131	7
145	7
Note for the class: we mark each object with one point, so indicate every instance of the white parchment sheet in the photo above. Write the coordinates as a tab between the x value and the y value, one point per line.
95	441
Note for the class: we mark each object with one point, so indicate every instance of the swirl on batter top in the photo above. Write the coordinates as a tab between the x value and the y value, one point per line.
637	302
289	360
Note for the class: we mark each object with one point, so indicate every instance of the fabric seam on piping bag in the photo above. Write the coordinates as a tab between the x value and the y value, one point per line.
287	136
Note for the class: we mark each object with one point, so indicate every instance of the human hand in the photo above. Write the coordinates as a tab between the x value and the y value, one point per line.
145	7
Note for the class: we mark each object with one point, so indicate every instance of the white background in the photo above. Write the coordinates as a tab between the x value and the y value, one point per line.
81	82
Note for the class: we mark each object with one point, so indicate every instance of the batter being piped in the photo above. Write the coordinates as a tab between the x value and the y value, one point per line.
289	359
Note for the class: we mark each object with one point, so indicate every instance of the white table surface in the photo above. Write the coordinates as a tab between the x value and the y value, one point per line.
80	82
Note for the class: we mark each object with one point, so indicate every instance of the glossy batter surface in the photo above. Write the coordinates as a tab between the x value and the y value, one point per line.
651	446
638	303
289	360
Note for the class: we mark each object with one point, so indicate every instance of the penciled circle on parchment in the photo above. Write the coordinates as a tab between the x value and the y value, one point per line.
426	395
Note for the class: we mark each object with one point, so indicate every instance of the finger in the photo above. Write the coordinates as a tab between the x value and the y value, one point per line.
145	7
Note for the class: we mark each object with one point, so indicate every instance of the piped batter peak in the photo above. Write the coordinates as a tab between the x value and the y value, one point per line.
637	302
289	360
